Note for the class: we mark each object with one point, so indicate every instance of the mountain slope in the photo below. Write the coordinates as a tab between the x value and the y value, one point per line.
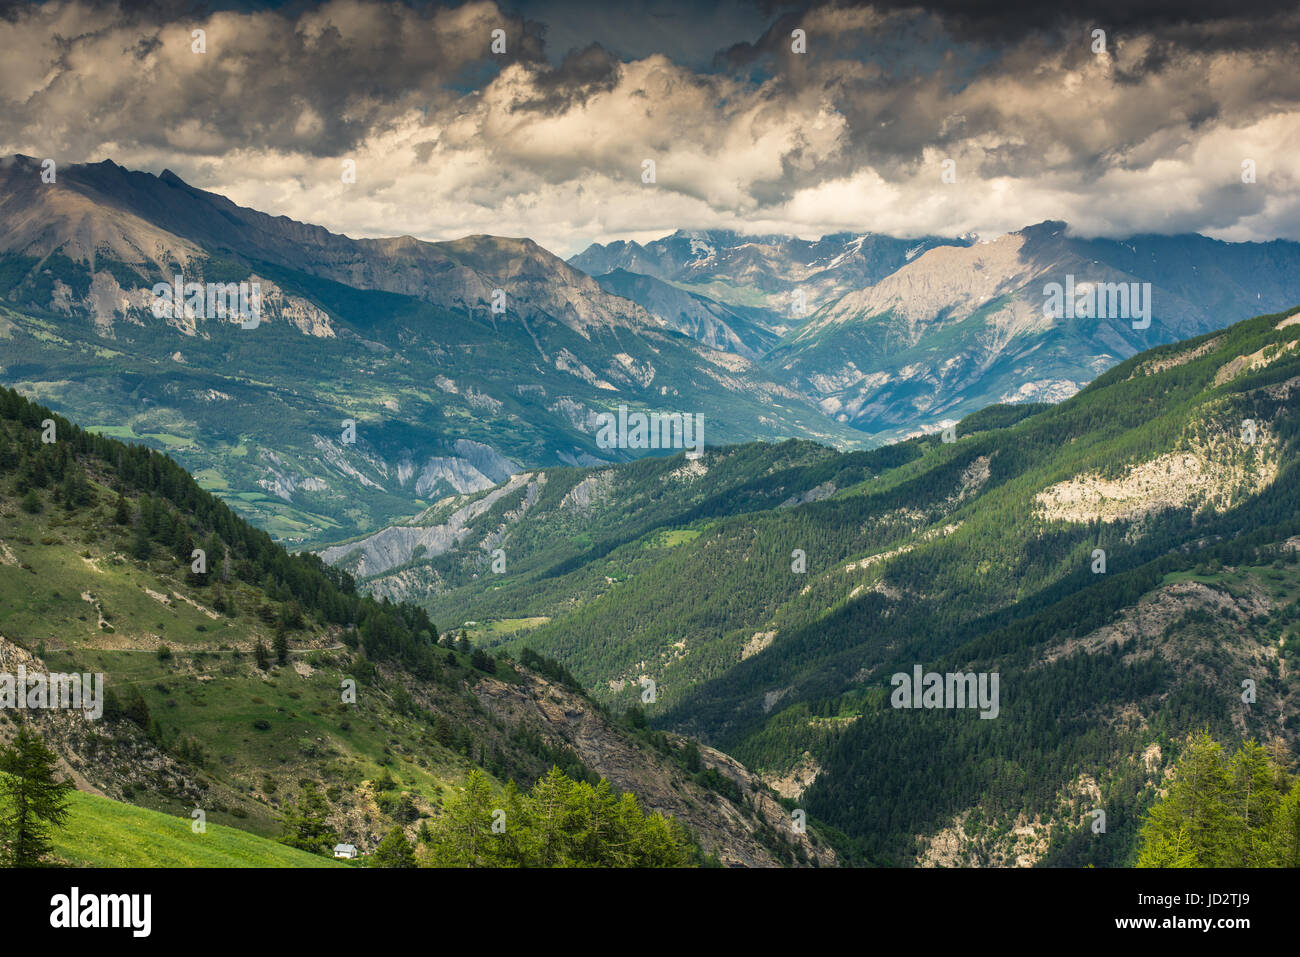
104	833
761	272
238	687
1124	561
726	328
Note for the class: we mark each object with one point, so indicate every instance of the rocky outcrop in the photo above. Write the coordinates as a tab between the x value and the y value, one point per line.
111	757
396	544
740	835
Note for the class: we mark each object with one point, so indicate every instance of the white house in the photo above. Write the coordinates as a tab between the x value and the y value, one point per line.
345	850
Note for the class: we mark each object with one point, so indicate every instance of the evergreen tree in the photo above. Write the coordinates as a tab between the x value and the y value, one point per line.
1254	802
141	546
1242	811
1284	843
691	755
305	824
463	833
32	800
122	511
393	851
1187	829
137	710
559	823
280	645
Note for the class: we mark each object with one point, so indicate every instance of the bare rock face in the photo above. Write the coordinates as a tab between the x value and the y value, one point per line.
1215	471
741	835
396	544
592	489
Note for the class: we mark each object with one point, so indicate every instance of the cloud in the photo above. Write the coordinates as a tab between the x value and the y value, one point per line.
449	138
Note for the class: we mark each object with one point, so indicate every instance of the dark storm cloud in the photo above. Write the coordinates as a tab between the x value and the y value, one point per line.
581	74
1215	24
318	81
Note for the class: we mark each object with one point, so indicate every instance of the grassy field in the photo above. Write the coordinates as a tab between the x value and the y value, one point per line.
104	833
672	537
504	627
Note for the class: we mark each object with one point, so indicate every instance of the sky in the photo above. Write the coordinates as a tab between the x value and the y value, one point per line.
911	119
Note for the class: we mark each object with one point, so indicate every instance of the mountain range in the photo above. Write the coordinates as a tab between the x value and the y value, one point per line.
398	336
380	380
899	336
910	467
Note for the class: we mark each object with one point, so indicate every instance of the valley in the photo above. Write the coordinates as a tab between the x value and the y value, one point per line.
910	467
1123	560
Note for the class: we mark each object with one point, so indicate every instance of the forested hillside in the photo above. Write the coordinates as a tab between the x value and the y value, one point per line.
1125	561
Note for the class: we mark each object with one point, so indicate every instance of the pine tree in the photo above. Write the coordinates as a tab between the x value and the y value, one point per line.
1254	803
32	800
280	645
137	710
393	851
463	833
1187	828
559	823
305	824
141	546
1284	842
1219	812
122	511
691	755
